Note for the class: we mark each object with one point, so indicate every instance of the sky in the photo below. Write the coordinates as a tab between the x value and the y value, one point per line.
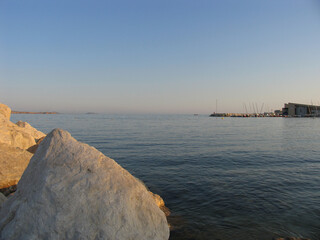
158	56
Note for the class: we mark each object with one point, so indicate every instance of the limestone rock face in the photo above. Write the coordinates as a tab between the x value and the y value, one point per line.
14	135
13	162
5	111
30	130
72	191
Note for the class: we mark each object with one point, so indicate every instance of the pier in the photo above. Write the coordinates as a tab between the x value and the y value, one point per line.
289	110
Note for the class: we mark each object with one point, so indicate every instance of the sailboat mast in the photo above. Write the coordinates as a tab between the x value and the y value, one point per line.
261	108
216	105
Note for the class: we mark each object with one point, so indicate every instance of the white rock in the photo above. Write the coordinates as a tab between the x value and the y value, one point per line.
5	111
31	130
72	191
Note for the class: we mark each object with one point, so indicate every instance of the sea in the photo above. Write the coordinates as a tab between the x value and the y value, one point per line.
221	178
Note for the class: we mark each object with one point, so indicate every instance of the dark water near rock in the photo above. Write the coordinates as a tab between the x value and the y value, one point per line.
225	179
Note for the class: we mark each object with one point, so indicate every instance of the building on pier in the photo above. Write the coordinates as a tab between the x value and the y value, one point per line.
300	110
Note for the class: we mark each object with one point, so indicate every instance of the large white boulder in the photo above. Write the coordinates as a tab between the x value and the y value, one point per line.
72	191
30	130
5	111
13	162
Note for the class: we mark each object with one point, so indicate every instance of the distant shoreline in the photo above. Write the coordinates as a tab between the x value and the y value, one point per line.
19	112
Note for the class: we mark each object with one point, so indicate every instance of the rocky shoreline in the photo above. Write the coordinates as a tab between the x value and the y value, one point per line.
59	188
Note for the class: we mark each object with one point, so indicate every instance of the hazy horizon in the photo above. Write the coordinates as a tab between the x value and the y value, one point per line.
158	56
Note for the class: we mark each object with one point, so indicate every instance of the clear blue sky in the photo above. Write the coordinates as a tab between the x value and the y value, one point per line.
158	56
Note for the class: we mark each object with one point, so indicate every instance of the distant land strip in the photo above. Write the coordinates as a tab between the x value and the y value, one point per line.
18	112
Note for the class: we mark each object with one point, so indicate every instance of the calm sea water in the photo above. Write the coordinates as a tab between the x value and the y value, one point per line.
232	178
